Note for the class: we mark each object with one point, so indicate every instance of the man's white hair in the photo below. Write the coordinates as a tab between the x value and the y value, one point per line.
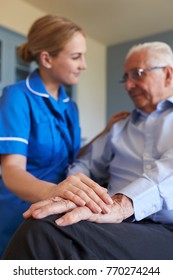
160	53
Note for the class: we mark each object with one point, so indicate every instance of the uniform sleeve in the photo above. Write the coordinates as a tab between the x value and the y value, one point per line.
14	121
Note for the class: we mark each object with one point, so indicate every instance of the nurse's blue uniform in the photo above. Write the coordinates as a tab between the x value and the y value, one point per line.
46	131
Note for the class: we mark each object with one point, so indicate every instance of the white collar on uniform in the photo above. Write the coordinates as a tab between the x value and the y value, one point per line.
35	92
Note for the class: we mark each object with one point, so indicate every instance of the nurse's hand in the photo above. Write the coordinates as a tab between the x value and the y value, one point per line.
121	209
115	118
83	191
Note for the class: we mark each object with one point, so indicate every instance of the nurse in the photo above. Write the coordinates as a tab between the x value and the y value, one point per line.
39	127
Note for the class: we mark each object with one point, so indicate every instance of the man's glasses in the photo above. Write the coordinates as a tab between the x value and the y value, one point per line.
136	74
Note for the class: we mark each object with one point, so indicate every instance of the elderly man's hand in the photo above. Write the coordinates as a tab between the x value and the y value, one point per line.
121	209
44	208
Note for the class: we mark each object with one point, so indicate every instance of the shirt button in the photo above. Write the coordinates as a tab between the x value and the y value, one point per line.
153	208
147	155
151	119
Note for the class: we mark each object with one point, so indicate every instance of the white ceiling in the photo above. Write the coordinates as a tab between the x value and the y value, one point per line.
113	21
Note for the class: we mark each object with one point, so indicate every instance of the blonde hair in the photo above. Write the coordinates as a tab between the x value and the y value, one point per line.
160	53
49	33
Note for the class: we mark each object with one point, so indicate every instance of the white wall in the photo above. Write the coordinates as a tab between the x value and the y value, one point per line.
18	15
91	94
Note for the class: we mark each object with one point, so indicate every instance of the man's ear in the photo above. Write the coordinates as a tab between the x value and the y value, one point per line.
169	75
45	59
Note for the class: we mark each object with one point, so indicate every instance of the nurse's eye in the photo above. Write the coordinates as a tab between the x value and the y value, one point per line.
76	57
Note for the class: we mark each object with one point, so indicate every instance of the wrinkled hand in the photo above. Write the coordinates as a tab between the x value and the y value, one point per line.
44	208
121	209
84	213
83	191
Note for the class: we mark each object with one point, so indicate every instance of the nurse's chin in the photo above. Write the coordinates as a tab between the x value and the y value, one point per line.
74	81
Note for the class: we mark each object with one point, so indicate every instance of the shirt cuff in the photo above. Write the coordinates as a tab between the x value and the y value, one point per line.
145	197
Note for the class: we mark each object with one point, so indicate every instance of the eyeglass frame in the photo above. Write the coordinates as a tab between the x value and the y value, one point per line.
139	72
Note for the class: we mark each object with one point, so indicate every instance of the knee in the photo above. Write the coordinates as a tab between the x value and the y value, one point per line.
33	240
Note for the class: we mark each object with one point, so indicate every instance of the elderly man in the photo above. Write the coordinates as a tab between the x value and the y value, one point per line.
136	160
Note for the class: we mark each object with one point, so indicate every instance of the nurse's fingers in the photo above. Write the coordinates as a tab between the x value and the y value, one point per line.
115	118
91	188
83	191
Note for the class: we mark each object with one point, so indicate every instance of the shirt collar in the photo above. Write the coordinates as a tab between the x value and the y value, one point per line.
167	103
36	86
162	105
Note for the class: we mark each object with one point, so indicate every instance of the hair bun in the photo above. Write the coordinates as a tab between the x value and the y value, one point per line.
25	53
